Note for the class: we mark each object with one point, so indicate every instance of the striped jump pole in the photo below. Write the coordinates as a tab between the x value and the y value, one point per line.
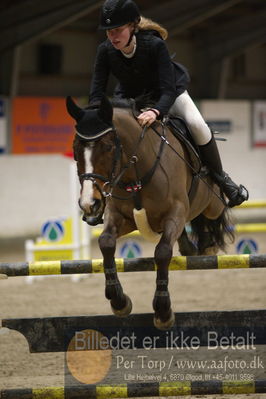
252	204
131	265
134	390
250	228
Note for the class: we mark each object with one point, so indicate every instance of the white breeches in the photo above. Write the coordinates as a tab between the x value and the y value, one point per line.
186	109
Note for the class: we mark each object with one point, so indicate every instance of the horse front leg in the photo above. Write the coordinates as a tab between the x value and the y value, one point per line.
121	304
164	317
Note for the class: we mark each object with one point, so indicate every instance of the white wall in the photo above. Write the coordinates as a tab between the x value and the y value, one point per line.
245	163
35	188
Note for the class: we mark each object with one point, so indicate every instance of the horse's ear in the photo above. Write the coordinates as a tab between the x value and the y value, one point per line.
73	109
105	111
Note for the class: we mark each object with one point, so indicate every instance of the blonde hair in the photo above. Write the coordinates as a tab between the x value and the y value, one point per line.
149	24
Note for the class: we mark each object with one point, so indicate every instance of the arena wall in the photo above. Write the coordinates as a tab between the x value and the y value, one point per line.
35	188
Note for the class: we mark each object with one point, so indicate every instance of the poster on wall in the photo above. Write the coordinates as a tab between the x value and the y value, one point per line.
3	125
41	125
259	123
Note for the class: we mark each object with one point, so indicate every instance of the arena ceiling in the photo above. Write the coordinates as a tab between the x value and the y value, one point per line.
219	28
225	25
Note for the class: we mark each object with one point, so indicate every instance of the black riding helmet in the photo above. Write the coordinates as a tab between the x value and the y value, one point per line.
117	13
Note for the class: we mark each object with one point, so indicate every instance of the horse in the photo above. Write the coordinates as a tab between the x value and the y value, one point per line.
142	178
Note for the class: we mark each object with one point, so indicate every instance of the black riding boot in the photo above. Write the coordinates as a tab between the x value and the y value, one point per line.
211	158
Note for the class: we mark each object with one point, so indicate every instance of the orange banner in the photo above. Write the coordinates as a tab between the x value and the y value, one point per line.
41	125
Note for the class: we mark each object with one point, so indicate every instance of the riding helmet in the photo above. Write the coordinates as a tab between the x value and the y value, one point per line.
116	13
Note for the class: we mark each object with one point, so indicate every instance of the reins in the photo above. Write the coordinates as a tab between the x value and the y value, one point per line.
132	161
140	181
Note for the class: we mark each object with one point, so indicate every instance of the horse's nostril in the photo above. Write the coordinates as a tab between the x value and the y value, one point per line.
95	204
97	201
94	216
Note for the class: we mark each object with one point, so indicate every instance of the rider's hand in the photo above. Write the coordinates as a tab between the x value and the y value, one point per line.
147	117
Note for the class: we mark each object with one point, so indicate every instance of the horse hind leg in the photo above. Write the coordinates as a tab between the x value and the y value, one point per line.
200	232
211	233
186	246
121	304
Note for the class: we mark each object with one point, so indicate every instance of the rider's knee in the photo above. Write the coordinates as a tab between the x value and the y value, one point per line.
199	129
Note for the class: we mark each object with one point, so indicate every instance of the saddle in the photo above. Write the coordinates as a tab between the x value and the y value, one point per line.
181	131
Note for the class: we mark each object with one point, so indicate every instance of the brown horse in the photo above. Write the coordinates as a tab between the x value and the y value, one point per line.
141	179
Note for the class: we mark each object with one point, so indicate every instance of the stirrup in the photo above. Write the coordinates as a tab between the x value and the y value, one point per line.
235	194
242	196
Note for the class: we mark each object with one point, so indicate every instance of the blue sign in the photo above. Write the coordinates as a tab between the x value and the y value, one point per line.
247	246
130	249
53	230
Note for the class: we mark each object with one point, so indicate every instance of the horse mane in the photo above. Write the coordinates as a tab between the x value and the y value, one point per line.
121	102
142	101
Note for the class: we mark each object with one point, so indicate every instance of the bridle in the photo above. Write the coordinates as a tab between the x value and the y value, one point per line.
94	177
114	180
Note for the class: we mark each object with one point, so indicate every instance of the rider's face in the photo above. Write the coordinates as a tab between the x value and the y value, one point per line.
119	37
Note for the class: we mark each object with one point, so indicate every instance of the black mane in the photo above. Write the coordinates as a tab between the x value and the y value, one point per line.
143	101
121	102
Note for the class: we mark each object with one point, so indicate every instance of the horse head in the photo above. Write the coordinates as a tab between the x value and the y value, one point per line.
92	153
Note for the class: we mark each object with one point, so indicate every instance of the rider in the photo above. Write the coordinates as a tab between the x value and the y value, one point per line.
136	54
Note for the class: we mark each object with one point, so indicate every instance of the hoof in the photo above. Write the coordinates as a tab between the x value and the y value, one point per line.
125	311
164	325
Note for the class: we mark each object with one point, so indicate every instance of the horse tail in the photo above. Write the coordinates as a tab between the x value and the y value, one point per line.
209	233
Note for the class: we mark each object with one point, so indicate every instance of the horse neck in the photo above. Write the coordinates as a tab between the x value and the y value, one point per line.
129	132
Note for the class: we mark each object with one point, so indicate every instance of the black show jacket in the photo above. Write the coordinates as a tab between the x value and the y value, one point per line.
149	71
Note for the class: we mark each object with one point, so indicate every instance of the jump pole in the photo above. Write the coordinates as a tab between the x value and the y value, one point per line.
132	265
162	389
252	204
